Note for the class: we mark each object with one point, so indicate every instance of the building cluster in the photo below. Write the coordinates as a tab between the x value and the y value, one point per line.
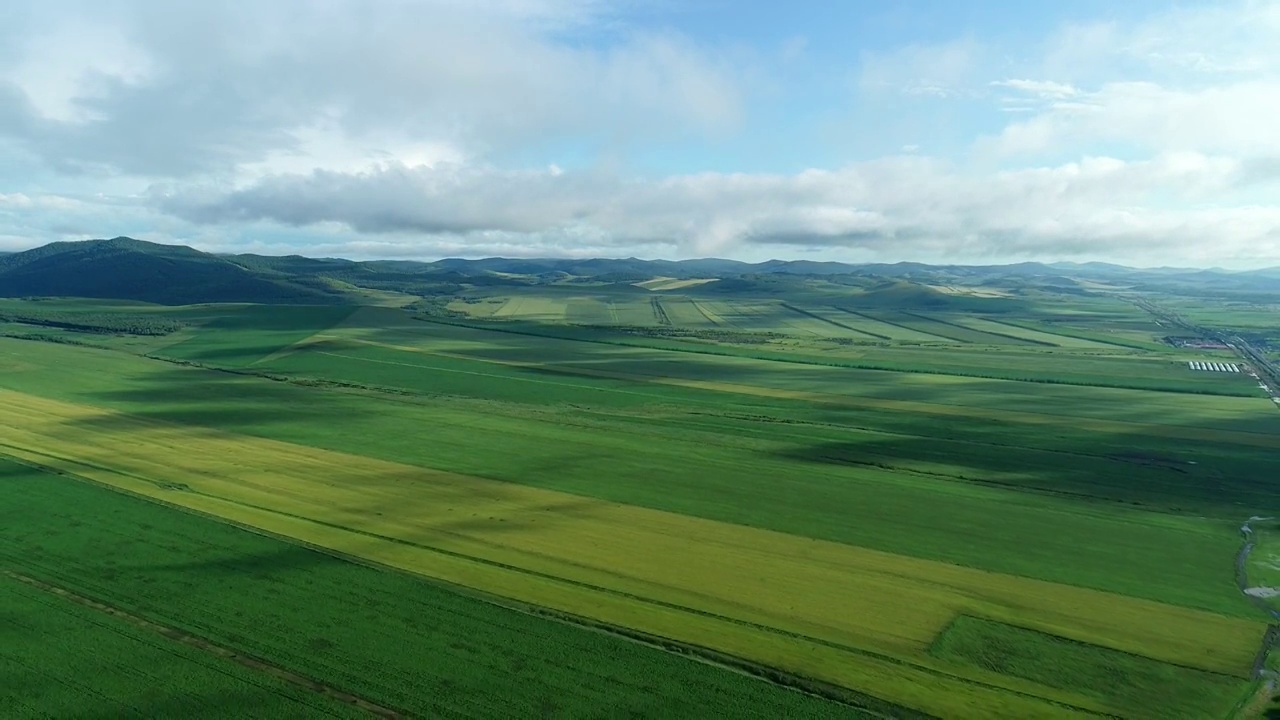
1196	343
1213	366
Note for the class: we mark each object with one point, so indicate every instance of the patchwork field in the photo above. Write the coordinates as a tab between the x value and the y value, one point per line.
580	556
672	490
315	635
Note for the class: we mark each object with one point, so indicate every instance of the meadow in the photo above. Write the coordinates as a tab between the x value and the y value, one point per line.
874	500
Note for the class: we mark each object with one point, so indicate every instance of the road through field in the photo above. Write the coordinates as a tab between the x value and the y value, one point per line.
843	614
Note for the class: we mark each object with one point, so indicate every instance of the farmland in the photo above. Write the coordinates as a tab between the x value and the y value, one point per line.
990	507
437	653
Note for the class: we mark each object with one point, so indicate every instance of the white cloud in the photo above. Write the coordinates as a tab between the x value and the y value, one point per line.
432	127
1238	118
14	200
911	206
168	89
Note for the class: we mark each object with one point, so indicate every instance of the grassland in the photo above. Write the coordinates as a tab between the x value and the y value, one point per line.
834	492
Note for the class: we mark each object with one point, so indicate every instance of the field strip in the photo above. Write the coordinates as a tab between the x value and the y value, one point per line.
708	638
1056	331
699	653
923	336
991	333
909	328
891	604
1064	341
212	648
711	317
829	321
1119	427
665	283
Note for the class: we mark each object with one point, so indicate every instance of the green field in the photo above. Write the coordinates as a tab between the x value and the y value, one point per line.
60	658
1027	509
1139	686
437	653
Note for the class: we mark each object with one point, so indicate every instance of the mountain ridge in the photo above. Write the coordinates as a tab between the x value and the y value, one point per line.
126	268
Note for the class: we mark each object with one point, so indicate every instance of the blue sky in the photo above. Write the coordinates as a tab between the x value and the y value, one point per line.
1136	132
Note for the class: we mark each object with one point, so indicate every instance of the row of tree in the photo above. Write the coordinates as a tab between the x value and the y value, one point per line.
105	323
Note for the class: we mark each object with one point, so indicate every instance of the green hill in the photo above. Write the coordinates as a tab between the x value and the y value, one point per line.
903	295
127	269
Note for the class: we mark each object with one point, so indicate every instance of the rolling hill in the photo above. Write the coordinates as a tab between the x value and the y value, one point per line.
127	269
904	295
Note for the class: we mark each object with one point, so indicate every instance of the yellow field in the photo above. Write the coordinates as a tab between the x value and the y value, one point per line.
848	615
532	308
666	283
970	291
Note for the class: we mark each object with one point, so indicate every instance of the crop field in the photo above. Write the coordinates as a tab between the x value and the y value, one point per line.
60	658
566	552
544	309
253	333
590	311
1039	337
663	284
1129	682
915	511
318	619
1095	343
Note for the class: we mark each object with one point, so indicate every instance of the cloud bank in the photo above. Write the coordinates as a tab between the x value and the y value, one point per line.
420	128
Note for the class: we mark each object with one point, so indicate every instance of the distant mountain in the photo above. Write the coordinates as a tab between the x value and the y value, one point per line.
124	268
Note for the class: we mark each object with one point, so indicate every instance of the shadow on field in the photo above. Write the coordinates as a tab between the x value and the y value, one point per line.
1118	471
647	372
991	397
218	400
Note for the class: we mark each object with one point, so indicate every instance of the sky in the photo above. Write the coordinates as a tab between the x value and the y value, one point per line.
1145	133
